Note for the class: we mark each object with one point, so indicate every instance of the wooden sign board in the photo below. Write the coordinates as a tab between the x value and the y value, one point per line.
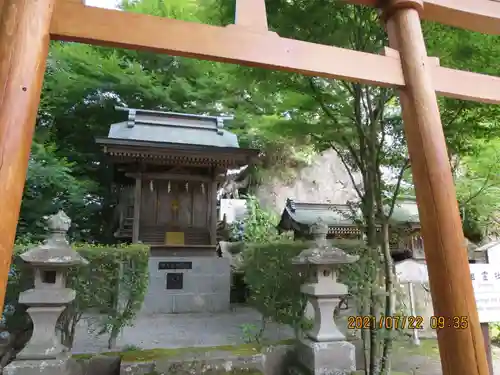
174	238
485	281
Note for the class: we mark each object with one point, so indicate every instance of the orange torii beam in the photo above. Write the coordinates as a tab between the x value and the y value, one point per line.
240	45
25	26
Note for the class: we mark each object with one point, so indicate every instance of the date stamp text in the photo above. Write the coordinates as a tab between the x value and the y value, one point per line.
407	322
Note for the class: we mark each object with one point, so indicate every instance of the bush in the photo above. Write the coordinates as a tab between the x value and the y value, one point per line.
258	226
274	282
112	285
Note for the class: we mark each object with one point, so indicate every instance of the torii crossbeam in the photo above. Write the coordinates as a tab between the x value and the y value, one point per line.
26	26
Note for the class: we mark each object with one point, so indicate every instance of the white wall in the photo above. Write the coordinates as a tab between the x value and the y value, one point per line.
235	209
494	254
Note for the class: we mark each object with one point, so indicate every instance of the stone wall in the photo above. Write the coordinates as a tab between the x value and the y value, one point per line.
325	180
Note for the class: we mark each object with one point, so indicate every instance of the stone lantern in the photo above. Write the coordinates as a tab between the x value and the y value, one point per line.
323	349
47	300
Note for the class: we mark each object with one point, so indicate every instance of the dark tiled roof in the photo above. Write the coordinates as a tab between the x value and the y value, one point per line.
172	127
306	214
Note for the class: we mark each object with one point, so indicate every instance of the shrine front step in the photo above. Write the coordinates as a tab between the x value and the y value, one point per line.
157	250
270	361
189	284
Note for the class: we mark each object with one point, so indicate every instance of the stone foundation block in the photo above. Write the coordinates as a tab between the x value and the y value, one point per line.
327	358
38	367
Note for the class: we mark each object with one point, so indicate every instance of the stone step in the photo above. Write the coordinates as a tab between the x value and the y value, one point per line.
270	361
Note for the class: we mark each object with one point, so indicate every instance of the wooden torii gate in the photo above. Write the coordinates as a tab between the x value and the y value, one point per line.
26	26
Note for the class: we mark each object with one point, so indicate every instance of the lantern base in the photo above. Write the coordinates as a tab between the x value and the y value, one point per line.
58	366
327	358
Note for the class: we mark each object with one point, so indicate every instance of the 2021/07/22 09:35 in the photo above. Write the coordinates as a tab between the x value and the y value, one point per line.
385	322
406	322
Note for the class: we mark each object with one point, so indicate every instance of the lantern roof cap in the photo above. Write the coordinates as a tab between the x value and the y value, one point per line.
55	251
322	252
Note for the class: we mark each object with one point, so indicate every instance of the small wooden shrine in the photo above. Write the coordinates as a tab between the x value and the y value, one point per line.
406	240
168	166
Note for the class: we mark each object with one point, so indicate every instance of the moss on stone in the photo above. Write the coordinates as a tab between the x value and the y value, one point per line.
234	372
145	355
219	372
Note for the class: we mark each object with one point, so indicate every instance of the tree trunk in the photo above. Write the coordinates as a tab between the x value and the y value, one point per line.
374	344
370	213
372	242
366	345
385	360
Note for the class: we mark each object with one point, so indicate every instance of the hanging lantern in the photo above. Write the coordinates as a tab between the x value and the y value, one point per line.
151	187
187	186
168	187
203	188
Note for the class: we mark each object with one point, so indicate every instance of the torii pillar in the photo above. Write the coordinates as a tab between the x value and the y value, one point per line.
24	43
461	350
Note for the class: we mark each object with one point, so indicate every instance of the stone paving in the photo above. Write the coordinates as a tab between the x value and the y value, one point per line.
198	330
182	330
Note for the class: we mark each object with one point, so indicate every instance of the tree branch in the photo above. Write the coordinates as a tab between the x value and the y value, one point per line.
456	115
484	186
378	119
395	194
348	169
357	158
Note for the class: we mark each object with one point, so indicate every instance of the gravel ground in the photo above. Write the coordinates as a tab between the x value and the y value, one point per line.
420	365
425	360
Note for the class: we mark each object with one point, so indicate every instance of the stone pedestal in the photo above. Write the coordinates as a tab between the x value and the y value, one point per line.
58	366
44	353
323	350
187	284
327	358
324	297
44	343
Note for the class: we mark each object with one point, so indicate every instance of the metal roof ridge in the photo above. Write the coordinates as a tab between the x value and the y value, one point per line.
487	246
151	111
319	205
216	129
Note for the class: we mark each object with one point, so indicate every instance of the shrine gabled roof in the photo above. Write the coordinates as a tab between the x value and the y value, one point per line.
405	211
170	137
303	214
487	246
306	214
172	127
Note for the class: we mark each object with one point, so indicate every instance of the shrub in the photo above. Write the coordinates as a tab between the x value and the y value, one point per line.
274	282
258	226
113	285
